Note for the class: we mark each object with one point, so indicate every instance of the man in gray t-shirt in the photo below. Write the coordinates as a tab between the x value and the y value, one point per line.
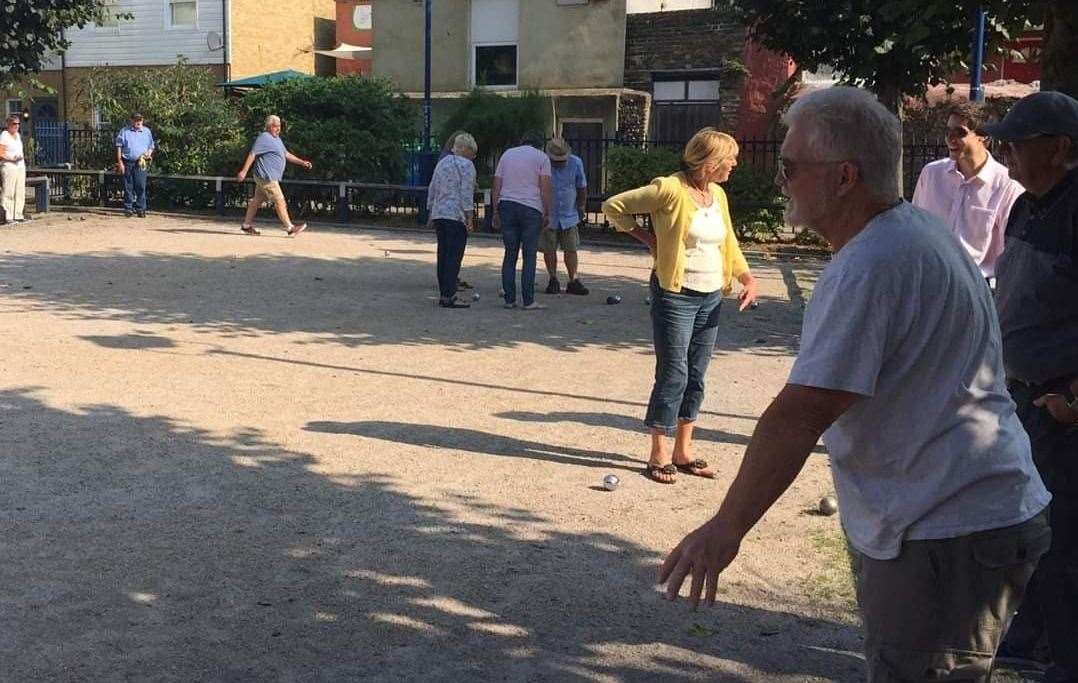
900	370
269	158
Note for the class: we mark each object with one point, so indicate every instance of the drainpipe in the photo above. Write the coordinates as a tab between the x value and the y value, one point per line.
227	39
426	75
976	90
63	79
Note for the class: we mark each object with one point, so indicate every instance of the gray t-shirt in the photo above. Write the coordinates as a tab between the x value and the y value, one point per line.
270	156
904	317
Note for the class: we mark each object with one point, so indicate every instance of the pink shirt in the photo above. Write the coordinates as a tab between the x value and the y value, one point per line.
976	210
519	170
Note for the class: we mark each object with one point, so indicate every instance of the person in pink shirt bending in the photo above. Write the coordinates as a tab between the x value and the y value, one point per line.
972	192
523	200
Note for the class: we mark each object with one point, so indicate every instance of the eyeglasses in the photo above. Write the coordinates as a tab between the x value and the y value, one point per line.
786	169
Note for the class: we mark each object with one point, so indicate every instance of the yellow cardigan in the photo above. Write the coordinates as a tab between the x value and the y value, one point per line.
671	208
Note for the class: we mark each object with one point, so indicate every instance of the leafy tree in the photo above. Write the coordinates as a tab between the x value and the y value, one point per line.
1060	53
351	127
894	47
197	131
31	29
496	122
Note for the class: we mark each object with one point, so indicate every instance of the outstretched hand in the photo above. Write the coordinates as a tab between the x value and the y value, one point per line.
748	293
704	554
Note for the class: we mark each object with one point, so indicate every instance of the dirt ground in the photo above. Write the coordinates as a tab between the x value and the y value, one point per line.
235	458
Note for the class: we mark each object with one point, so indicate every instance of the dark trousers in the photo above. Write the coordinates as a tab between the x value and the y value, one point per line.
134	186
452	238
1050	608
520	232
685	326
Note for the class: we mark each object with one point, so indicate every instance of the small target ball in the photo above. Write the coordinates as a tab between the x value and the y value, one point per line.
647	301
755	304
610	482
828	505
613	299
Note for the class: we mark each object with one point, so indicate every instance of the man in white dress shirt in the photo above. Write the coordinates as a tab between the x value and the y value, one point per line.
970	191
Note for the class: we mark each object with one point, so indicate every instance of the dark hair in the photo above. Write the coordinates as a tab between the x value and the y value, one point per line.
533	138
973	114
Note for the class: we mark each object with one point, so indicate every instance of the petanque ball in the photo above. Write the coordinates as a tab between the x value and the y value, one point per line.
828	505
755	304
475	296
647	301
610	482
613	299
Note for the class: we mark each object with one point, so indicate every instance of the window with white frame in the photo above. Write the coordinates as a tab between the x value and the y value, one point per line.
685	90
494	34
13	108
182	13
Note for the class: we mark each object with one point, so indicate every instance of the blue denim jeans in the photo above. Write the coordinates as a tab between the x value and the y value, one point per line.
685	326
520	230
134	186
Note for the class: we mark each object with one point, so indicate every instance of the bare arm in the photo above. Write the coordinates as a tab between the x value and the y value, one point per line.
546	190
246	166
781	443
495	195
292	158
581	201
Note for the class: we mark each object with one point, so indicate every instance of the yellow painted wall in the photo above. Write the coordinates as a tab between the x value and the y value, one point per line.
275	35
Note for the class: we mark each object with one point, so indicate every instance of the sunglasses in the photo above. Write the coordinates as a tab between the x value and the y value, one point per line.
786	169
958	132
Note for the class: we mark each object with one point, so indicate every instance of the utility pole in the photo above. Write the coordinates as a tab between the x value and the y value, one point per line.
976	90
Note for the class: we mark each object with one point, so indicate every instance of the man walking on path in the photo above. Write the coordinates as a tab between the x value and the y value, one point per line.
523	202
970	191
570	194
1037	297
900	370
134	150
269	157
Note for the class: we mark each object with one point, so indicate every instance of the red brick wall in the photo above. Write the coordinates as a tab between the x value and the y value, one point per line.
348	33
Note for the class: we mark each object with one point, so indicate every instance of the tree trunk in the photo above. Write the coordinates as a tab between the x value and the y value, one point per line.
1059	59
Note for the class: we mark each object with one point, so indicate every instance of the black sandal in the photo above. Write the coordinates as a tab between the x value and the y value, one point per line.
652	471
250	230
453	303
694	468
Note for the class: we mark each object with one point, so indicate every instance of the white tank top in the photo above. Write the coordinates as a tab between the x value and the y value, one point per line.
703	250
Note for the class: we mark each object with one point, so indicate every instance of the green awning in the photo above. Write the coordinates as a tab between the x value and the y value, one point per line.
264	79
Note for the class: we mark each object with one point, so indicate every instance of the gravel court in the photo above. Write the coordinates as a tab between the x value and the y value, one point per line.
263	458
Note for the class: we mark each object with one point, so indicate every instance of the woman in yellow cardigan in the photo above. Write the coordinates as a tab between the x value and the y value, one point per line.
696	260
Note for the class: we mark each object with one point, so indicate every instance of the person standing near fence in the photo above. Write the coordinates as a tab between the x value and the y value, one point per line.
269	157
970	191
523	201
134	150
13	171
451	207
697	258
570	194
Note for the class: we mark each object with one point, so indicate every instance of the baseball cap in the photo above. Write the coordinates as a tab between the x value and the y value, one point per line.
558	149
135	116
1042	113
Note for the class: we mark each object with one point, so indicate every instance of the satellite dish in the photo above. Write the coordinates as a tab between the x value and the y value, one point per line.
214	41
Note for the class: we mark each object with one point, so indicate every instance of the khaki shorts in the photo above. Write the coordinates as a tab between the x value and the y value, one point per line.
550	239
939	609
268	191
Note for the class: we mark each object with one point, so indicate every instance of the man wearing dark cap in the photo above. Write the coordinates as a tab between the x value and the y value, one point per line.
134	149
1037	298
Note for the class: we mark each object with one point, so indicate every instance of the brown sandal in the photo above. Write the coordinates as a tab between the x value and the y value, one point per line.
249	229
652	471
697	468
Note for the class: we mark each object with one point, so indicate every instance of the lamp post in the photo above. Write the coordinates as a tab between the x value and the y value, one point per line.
426	75
976	90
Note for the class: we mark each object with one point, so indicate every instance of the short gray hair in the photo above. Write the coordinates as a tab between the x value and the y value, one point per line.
464	141
273	118
842	123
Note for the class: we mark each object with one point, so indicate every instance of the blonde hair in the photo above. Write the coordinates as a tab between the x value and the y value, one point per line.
464	141
706	147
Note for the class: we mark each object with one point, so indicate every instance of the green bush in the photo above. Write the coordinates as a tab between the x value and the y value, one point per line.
630	167
756	205
196	130
350	127
496	122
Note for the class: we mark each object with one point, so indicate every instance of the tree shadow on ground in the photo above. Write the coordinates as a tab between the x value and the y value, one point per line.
138	548
629	424
356	301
